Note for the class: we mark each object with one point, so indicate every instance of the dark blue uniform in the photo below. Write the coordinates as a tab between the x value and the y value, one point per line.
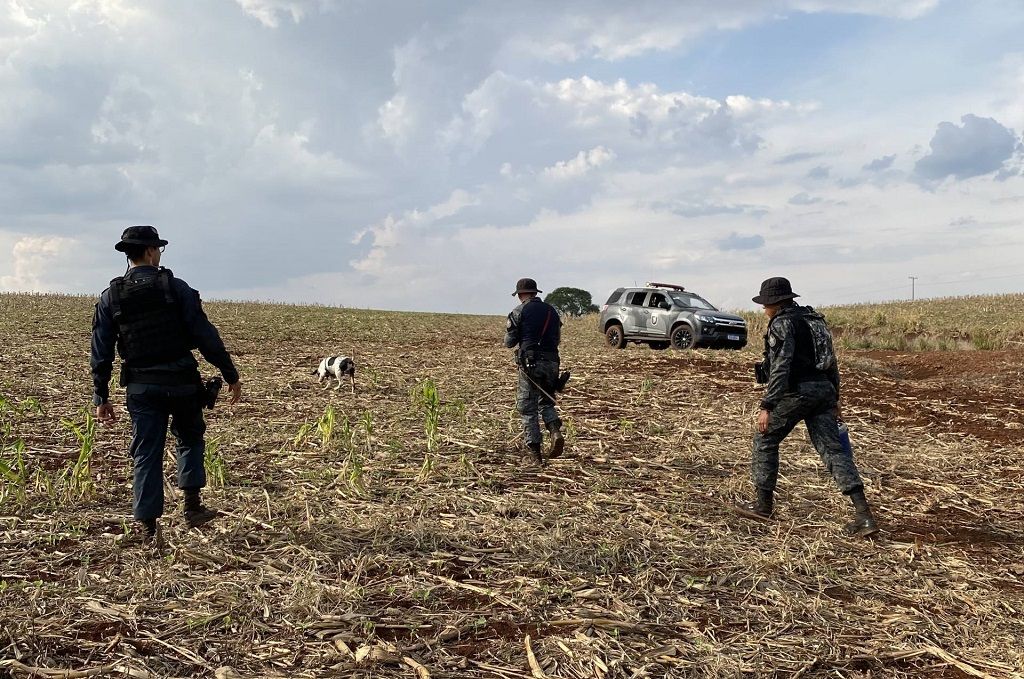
536	329
158	393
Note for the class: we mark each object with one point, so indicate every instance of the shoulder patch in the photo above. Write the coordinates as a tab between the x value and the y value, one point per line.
771	339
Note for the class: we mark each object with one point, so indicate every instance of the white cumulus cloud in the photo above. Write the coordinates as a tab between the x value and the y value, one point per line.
393	231
33	257
584	162
271	12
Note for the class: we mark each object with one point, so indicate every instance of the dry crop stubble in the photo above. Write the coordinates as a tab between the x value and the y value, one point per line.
620	560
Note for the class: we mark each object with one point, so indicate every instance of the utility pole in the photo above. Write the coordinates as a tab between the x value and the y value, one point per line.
912	280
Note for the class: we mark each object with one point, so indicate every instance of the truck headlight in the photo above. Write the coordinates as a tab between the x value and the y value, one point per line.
706	319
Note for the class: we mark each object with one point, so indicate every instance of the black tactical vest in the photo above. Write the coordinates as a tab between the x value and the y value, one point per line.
150	327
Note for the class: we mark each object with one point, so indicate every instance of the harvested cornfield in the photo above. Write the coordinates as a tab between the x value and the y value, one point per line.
397	533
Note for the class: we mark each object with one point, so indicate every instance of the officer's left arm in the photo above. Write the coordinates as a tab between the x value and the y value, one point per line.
203	332
781	362
101	358
833	375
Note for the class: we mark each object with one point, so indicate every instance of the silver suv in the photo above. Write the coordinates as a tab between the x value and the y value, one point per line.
664	316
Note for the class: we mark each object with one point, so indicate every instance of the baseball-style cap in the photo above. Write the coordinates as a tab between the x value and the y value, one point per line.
139	235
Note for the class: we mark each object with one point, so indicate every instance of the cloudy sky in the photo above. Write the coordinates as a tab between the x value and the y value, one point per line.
424	155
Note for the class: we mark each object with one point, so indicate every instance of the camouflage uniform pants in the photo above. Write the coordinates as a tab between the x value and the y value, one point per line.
531	402
814	403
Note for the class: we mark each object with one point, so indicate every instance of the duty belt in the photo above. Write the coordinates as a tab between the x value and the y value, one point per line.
161	377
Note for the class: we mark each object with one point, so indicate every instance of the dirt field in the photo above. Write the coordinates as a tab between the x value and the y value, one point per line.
361	554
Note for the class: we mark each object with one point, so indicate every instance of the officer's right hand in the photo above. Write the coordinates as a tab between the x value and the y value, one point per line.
236	392
105	414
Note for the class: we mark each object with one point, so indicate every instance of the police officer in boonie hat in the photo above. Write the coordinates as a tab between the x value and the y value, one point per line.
535	329
802	378
154	320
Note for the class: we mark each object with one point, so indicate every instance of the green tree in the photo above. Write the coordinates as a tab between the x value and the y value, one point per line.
571	301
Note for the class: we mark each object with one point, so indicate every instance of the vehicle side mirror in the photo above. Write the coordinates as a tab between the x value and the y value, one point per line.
665	305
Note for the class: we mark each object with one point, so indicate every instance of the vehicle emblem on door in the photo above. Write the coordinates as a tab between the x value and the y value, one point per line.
654	319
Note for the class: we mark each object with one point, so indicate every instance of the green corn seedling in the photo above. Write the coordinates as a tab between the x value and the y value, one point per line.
426	396
77	478
348	434
13	472
325	426
302	433
213	461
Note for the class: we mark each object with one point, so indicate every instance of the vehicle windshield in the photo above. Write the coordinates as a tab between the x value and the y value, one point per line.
684	299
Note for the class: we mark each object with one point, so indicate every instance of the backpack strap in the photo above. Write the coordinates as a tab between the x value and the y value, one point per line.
165	276
115	296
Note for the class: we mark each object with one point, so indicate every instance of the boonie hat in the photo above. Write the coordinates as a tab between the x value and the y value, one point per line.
140	235
526	285
775	290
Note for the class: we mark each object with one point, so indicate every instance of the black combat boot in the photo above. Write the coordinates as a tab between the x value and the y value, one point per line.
863	523
195	513
557	439
535	454
150	531
144	533
760	508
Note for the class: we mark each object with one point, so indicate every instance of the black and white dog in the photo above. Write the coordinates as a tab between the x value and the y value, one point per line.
336	366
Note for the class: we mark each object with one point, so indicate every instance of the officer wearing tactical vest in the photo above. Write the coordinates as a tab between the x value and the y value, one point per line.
536	328
802	378
155	320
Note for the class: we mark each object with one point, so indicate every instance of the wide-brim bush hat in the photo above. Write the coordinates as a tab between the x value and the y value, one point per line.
140	235
775	290
526	285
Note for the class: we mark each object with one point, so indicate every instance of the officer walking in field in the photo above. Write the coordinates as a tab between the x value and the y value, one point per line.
155	320
802	377
536	329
